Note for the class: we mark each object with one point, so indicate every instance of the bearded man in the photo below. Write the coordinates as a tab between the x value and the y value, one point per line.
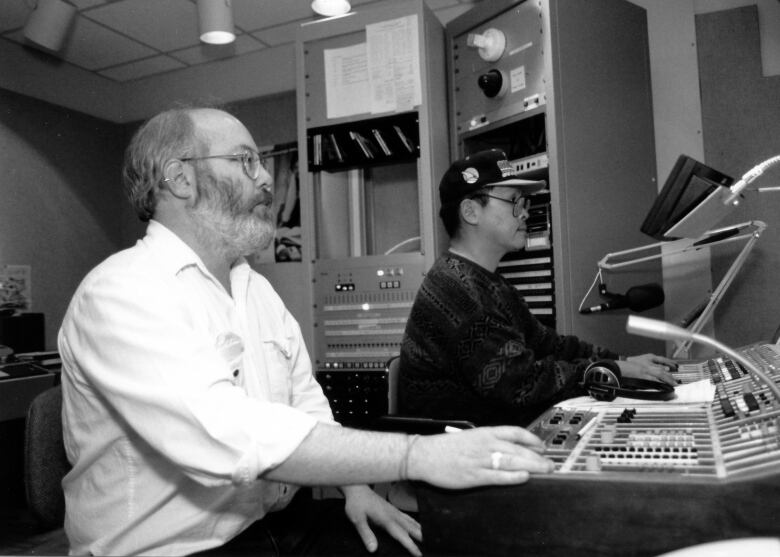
190	411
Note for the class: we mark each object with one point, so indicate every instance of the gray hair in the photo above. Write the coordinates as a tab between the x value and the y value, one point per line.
168	135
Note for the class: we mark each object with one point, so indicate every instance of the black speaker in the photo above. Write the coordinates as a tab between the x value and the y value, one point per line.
603	381
23	332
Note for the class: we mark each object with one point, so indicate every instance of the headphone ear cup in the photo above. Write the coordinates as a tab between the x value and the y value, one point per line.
602	380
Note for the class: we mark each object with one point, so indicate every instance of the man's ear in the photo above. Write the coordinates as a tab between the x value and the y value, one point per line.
179	178
468	211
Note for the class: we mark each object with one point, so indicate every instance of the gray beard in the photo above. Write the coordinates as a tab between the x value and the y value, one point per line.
225	225
233	236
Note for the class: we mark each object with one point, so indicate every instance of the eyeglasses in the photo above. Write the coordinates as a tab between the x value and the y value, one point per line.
518	205
251	161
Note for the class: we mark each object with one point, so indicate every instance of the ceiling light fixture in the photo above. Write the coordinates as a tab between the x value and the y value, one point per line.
49	24
216	21
331	7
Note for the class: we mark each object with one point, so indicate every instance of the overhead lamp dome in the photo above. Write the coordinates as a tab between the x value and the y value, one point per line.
331	7
49	24
216	21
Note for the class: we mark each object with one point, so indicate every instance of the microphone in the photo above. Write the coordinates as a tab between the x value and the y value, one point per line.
653	328
636	298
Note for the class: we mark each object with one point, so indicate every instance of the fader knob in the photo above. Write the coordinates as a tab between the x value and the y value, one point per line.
491	83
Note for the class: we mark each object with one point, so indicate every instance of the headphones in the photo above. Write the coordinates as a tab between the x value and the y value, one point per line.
603	381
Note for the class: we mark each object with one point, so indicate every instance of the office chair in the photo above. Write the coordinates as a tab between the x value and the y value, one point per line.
402	494
393	421
45	460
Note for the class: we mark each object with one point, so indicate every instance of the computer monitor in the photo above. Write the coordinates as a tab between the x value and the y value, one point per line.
690	203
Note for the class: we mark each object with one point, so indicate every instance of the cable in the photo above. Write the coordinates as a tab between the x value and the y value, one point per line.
401	244
748	177
596	279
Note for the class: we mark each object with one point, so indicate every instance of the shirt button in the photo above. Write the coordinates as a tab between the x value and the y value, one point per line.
235	373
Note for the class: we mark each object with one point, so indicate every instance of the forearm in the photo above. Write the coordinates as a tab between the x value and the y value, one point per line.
334	455
331	455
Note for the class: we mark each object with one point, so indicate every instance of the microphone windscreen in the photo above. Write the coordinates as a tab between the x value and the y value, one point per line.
645	296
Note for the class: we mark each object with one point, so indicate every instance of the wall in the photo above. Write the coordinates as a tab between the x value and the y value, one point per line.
677	105
61	211
741	116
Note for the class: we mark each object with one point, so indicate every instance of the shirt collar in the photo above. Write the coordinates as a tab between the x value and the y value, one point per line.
175	254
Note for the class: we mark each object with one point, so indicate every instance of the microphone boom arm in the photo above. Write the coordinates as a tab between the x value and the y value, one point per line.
750	231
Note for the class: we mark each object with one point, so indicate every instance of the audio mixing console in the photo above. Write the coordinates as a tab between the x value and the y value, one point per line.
636	479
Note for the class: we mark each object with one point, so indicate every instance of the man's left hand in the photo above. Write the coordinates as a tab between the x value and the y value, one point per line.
363	505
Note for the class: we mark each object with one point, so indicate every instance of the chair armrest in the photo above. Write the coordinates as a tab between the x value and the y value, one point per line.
418	425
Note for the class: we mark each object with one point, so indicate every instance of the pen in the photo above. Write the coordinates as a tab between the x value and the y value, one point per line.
586	428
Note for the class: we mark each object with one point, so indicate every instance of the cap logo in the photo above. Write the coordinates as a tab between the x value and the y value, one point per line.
506	168
470	175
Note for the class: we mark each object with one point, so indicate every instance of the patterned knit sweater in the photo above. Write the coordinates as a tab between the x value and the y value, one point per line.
473	350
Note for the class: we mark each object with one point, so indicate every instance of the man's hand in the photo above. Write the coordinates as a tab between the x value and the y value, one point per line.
363	505
487	455
649	366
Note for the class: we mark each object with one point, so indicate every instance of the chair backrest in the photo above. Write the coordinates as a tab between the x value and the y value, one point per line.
393	367
45	460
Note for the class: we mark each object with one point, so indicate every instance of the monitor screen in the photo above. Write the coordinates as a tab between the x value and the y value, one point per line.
690	203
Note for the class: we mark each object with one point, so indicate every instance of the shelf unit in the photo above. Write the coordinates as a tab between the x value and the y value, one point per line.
569	100
376	141
369	197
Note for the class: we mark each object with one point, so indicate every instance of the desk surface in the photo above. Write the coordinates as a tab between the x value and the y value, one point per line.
552	517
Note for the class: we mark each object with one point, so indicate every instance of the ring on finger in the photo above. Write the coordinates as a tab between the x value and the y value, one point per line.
495	460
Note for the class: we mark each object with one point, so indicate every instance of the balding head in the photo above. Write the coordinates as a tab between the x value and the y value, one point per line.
169	135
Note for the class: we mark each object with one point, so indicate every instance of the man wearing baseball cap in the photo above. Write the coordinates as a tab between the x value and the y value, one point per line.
472	349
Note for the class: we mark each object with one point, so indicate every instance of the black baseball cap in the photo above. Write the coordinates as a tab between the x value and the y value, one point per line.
479	170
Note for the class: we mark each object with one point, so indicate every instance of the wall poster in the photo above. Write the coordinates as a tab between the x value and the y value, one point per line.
15	287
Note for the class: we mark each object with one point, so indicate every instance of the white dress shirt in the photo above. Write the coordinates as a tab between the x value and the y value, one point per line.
177	396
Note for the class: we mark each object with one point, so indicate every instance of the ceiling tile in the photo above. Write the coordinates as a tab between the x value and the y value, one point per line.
142	68
130	39
280	34
440	4
162	24
208	53
251	15
81	4
14	14
92	46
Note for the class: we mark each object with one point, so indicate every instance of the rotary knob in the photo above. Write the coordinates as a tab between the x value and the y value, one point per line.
492	83
491	44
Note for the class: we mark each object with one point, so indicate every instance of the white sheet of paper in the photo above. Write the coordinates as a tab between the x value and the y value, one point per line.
697	392
392	48
346	81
